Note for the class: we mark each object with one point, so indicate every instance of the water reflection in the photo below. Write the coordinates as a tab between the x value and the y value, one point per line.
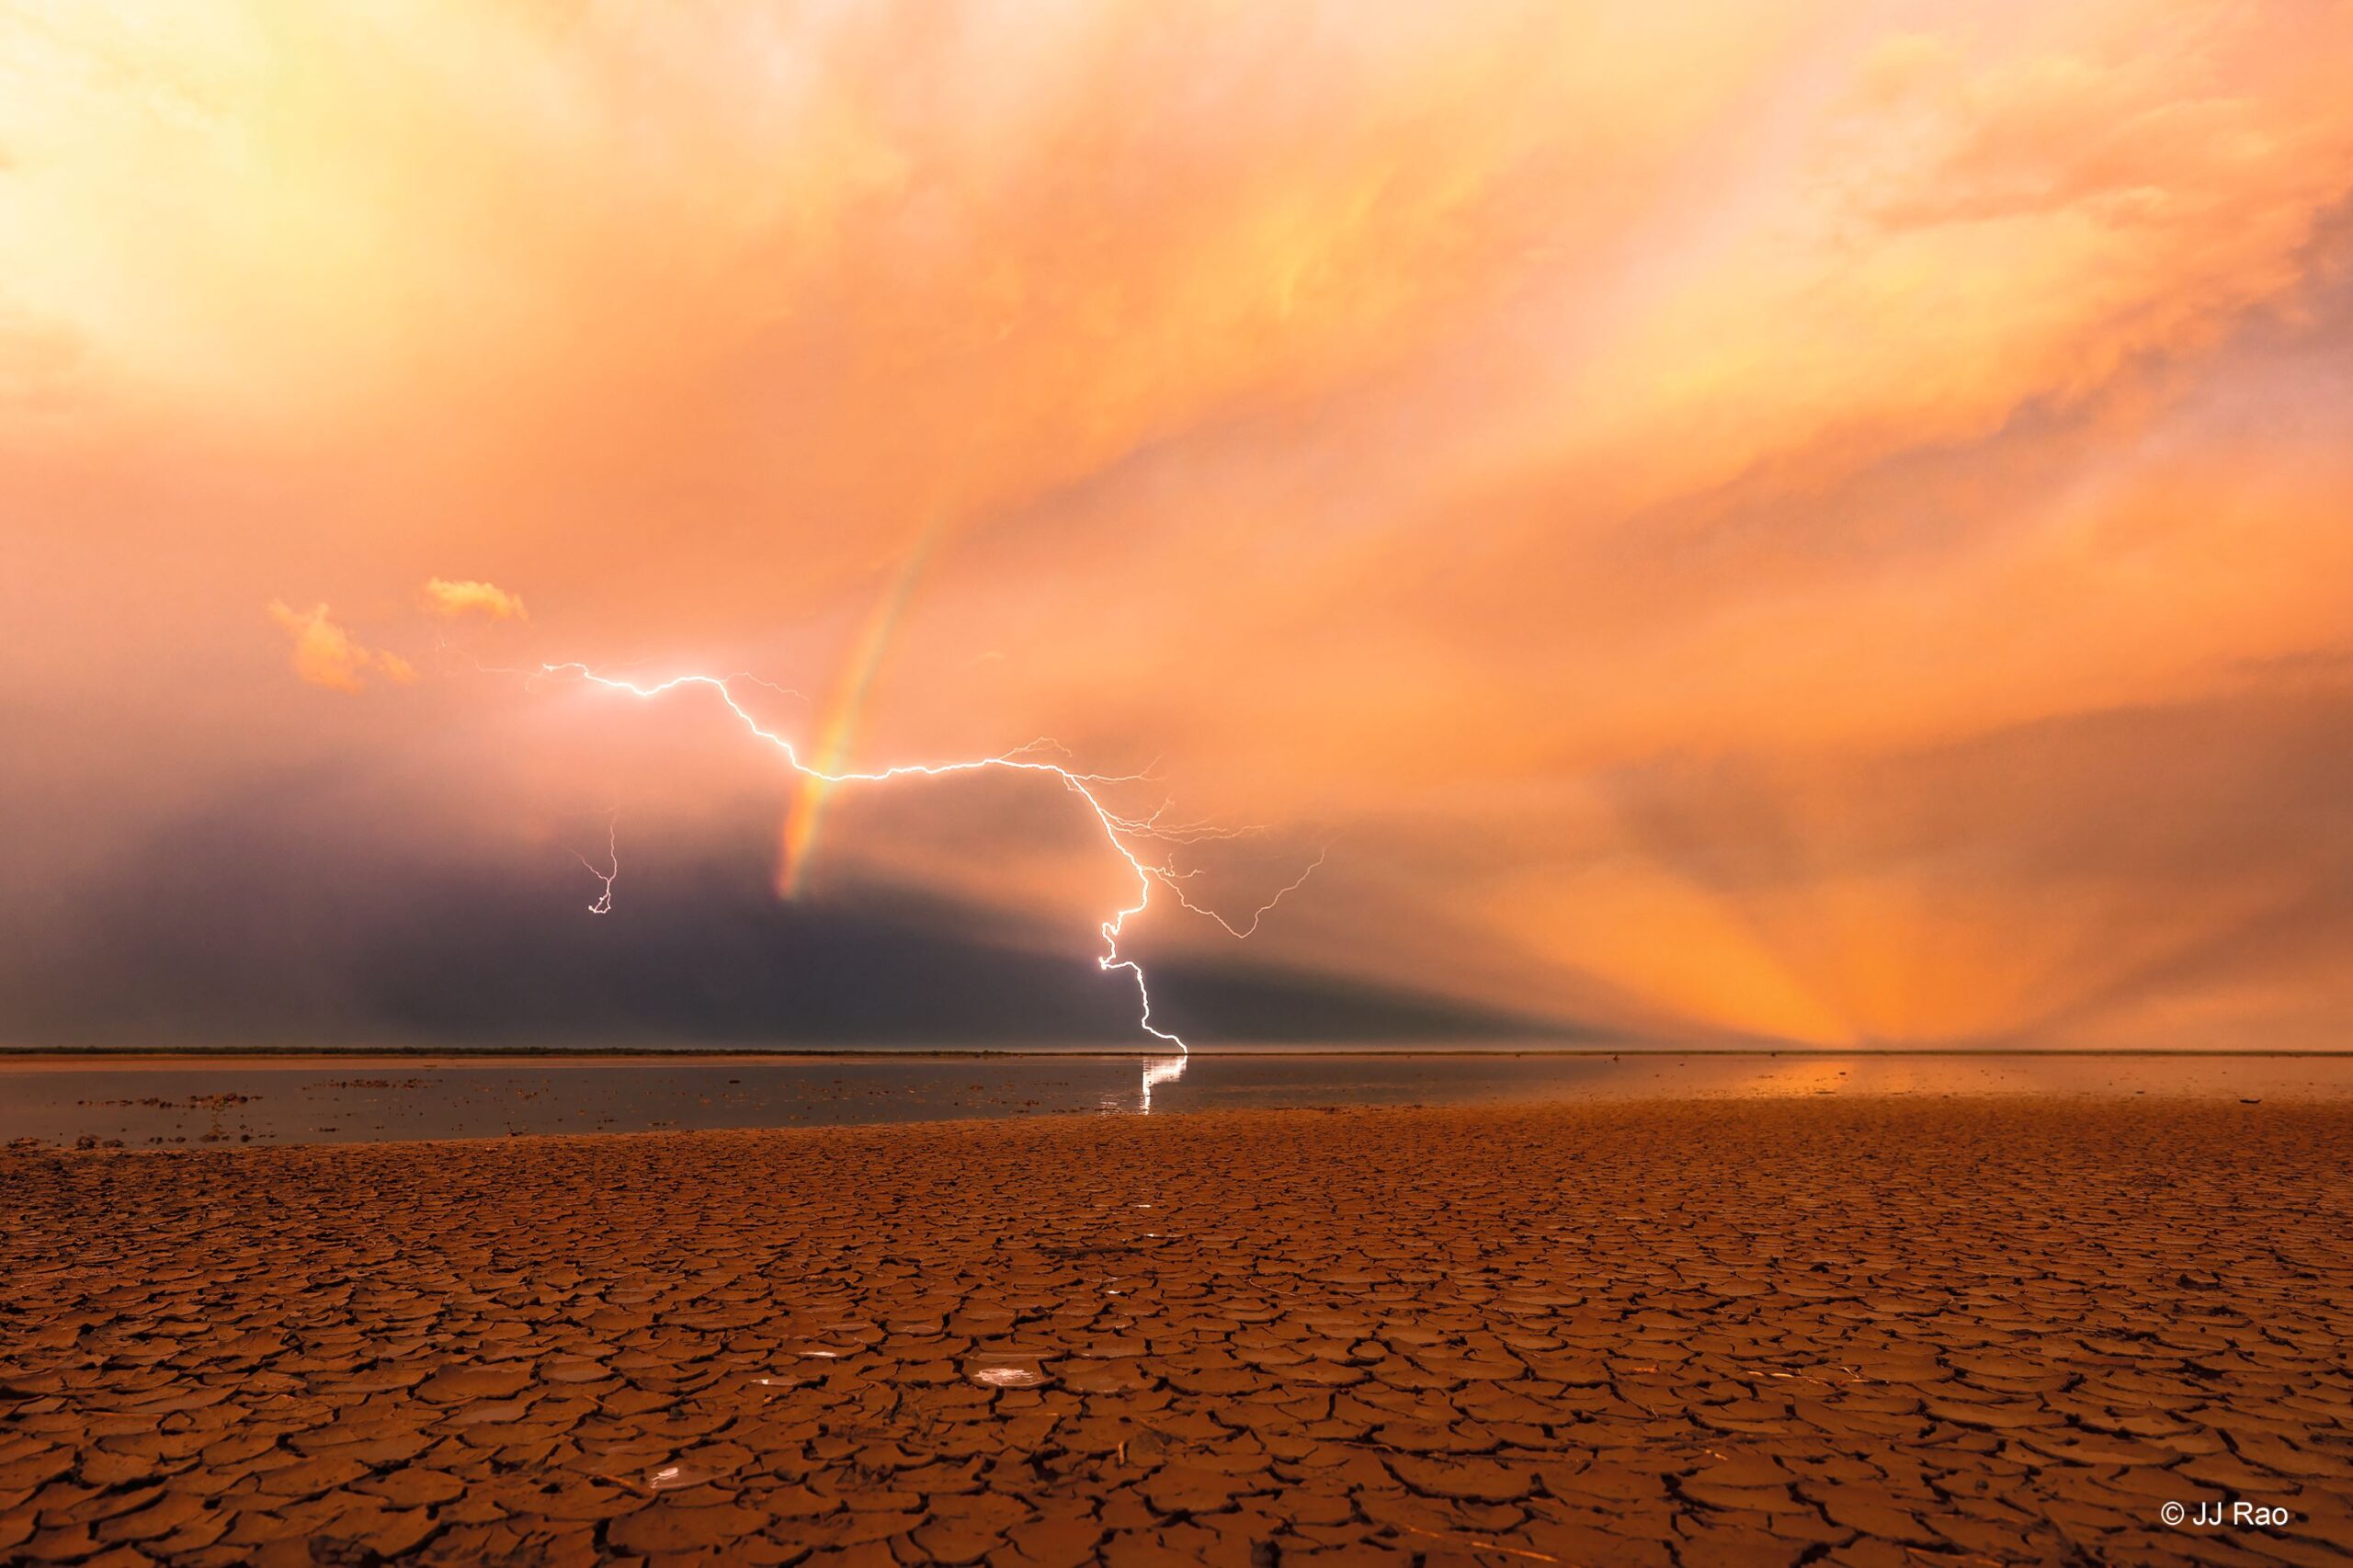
1167	1070
238	1102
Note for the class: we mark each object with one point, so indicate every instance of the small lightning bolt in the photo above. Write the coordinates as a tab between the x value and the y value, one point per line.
1119	831
603	904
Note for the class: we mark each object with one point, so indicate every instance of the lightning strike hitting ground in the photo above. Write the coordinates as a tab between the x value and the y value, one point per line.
1117	830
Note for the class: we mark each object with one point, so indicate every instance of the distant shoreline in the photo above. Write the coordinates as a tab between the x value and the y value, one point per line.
21	1055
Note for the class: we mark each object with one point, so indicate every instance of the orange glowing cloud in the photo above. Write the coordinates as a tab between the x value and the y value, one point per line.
451	597
324	653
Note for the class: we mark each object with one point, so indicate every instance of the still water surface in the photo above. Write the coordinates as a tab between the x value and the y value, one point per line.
152	1101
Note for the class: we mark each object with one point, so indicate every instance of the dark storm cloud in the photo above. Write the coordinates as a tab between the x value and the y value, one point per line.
303	919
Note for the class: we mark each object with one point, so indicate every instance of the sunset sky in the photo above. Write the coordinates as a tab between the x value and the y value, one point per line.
1828	524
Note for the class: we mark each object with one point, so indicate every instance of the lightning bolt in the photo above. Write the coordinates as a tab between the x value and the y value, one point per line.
1120	832
603	904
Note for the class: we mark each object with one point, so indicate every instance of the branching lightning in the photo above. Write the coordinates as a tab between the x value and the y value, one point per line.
1123	833
604	902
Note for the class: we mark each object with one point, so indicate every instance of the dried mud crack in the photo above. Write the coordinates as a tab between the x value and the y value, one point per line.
1849	1331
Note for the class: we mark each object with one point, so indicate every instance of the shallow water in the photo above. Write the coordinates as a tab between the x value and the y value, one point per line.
152	1101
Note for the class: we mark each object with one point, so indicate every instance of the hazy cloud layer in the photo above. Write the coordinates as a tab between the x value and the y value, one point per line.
1821	521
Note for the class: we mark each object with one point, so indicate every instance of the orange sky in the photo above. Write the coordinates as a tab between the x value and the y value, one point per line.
1826	522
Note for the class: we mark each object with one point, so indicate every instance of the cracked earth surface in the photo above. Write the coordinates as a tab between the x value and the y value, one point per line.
1854	1331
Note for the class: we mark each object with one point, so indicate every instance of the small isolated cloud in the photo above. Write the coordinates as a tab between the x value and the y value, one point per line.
325	655
451	598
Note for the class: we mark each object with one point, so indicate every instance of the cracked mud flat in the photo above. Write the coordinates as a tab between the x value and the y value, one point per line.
1851	1331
